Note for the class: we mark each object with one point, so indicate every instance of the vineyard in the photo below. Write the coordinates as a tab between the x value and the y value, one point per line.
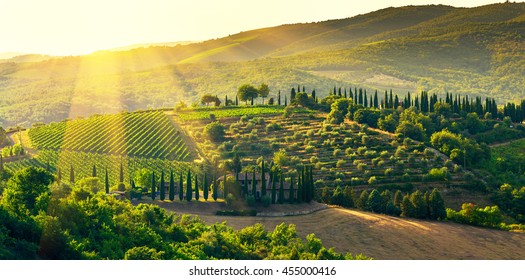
147	134
83	164
227	112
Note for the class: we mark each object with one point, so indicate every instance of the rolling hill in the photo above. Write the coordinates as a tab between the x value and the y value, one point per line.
475	51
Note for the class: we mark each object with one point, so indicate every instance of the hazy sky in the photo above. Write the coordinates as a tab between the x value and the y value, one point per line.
66	27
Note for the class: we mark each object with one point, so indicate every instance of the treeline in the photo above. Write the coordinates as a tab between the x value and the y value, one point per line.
40	219
428	205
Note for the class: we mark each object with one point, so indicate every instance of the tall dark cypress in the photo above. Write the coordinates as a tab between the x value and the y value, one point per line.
93	174
172	187
245	189
376	100
205	188
360	101
215	193
311	183
197	192
300	190
263	180
153	191
366	100
162	189
254	185
107	181
279	98
291	195
281	191
274	189
189	191
181	187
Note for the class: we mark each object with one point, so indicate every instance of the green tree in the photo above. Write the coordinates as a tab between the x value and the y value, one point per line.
263	91
247	92
205	188
363	200
171	193
407	208
181	187
214	131
162	189
121	173
143	177
374	201
281	190
153	189
197	192
420	206
215	189
94	172
208	98
274	189
437	205
27	192
71	174
107	181
189	191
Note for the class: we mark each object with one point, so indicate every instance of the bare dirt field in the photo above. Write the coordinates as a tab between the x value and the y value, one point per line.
384	237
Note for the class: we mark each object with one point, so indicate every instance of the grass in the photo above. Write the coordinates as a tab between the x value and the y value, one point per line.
385	237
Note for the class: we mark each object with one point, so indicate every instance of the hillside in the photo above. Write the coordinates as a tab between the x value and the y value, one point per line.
389	238
433	48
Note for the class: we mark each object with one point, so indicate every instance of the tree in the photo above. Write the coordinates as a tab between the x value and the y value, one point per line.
215	191
302	99
121	174
93	173
407	208
375	201
107	181
281	190
420	206
143	177
197	192
291	193
181	187
263	179
247	92
208	98
205	188
339	109
172	187
437	205
153	190
274	189
236	163
215	131
189	191
264	91
27	192
363	200
162	189
254	184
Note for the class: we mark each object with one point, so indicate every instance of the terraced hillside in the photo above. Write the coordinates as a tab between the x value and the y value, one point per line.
345	155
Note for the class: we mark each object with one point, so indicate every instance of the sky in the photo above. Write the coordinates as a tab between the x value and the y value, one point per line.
74	27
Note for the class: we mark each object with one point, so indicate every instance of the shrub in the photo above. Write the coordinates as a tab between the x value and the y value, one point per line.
348	141
266	200
389	172
309	149
314	159
338	152
340	163
214	131
372	180
250	200
361	150
361	166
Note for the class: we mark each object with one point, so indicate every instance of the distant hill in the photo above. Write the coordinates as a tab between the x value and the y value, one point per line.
147	45
476	51
26	58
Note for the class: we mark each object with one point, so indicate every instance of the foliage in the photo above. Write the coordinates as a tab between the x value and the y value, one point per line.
215	131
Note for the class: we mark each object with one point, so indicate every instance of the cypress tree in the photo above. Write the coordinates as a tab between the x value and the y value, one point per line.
162	190
254	185
281	190
93	174
291	194
153	191
71	174
2	163
376	100
374	201
107	181
300	190
189	191
225	185
285	101
263	180
215	194
245	189
363	199
197	194
172	187
252	101
181	187
226	100
311	183
437	205
407	208
205	188
121	174
279	98
236	101
274	190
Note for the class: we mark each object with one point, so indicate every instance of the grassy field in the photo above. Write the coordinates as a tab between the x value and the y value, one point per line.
386	238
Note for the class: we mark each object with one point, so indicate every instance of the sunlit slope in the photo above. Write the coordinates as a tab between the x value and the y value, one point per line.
142	134
474	51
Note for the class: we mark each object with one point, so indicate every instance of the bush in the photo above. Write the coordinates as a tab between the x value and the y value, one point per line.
338	152
250	200
340	163
266	200
214	131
